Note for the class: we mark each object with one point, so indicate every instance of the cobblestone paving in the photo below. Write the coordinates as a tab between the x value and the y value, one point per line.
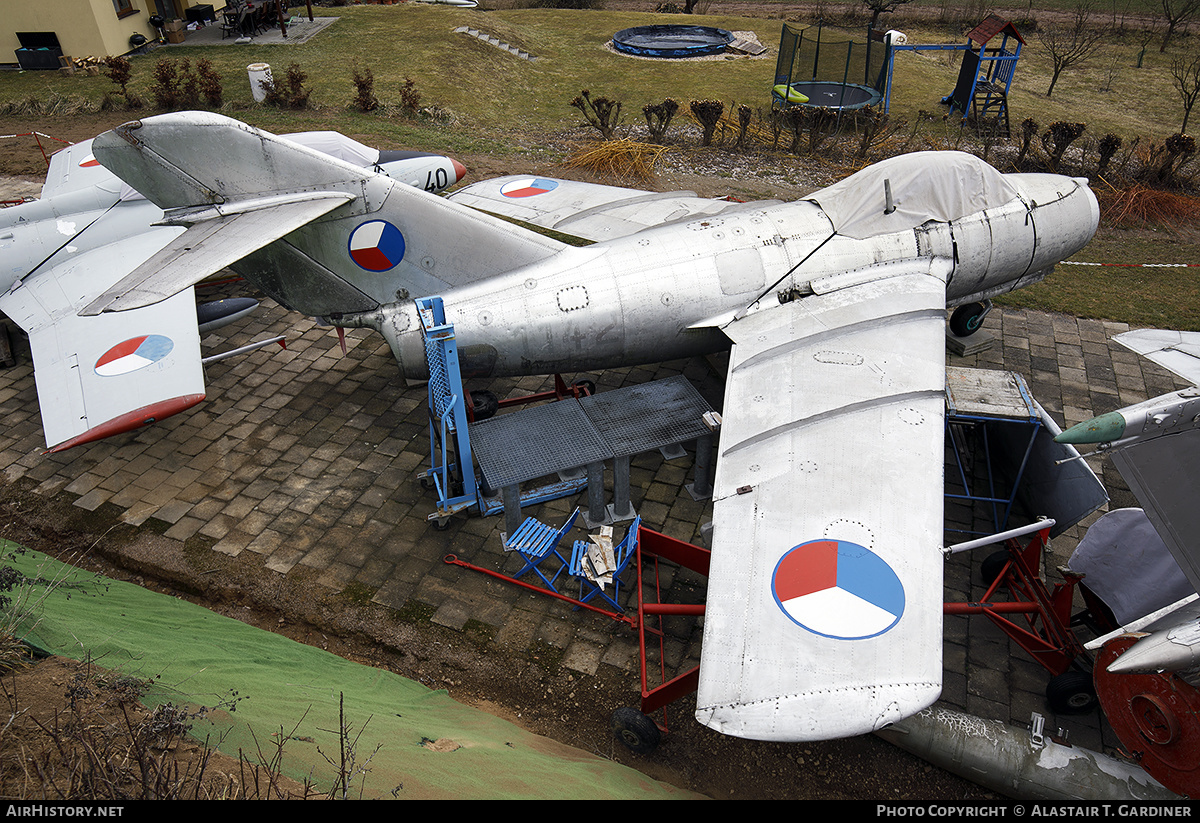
305	457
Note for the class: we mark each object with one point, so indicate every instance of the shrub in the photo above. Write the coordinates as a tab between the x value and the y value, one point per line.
1058	138
175	86
210	83
120	71
601	113
708	115
290	93
410	98
364	89
658	118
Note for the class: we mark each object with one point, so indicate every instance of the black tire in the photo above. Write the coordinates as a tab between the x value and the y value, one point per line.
484	404
1072	693
636	732
992	566
587	386
967	319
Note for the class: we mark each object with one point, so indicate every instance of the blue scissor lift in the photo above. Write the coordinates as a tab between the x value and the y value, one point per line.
453	468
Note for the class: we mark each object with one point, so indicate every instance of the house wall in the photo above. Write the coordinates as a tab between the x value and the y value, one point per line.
84	27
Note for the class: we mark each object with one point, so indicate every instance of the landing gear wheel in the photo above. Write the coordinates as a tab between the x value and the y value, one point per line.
967	319
1072	693
484	404
636	732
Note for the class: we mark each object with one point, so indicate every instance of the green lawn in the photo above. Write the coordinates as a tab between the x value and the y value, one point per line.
496	105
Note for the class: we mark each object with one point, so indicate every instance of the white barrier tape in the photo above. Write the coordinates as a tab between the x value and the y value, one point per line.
1134	265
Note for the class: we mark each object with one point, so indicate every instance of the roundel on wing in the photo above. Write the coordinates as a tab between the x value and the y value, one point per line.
376	245
133	354
838	589
528	187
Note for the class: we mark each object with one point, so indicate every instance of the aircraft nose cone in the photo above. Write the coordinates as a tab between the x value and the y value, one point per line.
1103	429
460	171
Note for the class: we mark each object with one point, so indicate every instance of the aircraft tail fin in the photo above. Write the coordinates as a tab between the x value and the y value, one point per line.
369	240
189	159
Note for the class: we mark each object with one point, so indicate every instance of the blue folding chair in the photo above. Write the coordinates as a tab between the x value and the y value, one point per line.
538	543
623	552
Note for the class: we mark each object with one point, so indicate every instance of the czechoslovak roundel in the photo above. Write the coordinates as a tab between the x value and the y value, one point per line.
838	589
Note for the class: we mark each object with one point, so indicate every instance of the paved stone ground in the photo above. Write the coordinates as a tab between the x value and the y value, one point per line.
305	457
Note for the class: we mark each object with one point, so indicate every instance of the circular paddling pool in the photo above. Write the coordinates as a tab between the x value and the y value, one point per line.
672	41
829	95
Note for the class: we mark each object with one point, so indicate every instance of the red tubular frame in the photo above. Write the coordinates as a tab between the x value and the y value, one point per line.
653	545
1046	635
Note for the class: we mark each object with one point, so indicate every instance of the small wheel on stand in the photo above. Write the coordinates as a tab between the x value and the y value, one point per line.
636	731
441	524
967	319
484	404
1072	693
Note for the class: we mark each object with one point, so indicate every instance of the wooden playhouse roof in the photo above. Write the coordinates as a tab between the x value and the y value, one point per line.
992	26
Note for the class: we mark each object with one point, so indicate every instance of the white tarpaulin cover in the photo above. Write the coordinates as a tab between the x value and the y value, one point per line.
1127	565
337	145
939	186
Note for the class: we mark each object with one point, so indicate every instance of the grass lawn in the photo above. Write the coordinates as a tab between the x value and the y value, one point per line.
498	106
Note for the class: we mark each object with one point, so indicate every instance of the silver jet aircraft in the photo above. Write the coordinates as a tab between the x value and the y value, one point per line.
1145	673
100	376
824	612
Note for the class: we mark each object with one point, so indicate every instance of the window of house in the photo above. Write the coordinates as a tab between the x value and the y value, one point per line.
123	7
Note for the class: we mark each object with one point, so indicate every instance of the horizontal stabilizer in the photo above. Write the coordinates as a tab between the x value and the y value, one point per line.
210	245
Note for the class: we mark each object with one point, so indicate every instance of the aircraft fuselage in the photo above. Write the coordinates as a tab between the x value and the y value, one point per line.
663	293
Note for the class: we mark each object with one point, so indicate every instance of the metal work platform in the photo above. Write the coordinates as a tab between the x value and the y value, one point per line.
582	434
572	437
983	409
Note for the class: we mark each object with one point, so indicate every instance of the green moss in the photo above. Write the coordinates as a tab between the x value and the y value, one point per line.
549	657
481	634
414	611
358	593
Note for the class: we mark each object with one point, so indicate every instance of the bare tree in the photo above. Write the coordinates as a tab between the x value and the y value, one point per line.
1177	13
1185	77
1073	44
881	7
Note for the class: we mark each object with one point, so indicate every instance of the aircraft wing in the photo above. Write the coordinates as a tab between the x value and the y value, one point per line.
99	376
1176	351
824	612
587	210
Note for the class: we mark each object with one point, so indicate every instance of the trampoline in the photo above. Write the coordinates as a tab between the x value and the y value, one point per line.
671	41
830	69
834	95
